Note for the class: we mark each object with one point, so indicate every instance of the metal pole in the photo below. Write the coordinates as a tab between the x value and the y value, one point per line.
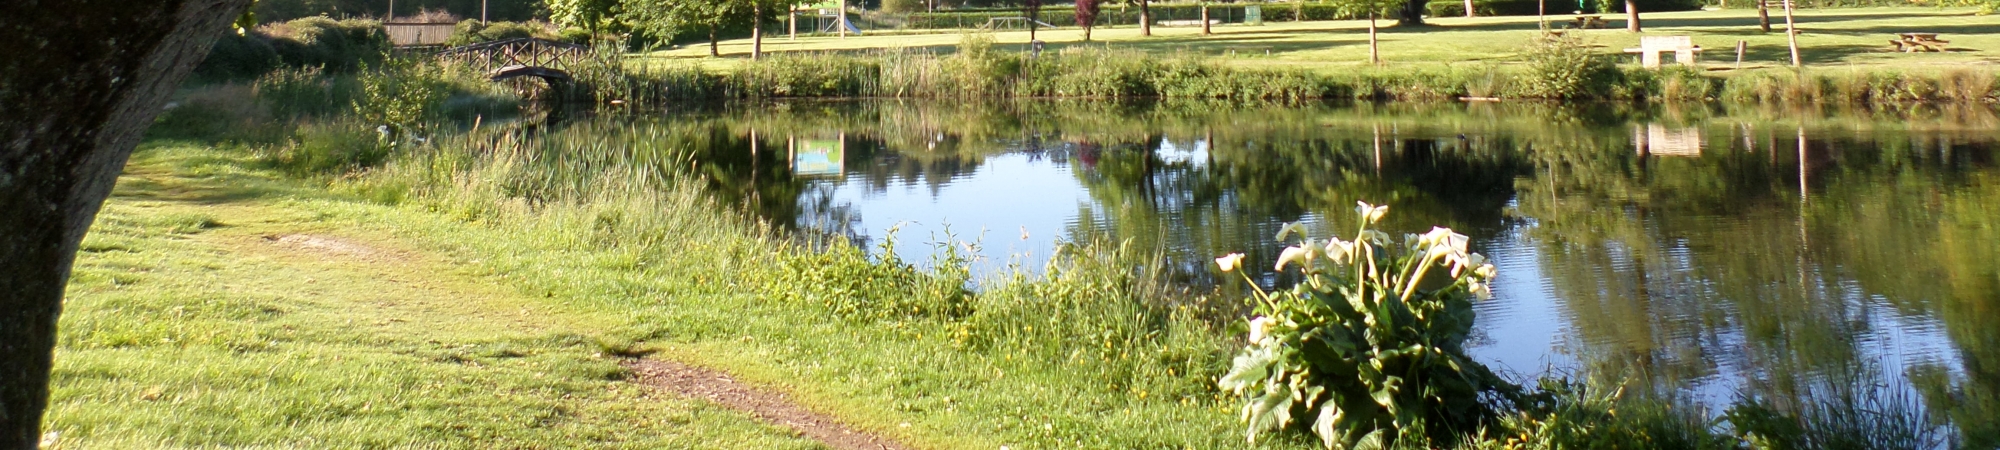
482	11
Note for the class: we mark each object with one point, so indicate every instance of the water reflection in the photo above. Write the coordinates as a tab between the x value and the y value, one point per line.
1708	253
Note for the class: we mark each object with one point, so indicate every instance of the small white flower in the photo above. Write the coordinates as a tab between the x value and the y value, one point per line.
1260	328
1229	262
1370	213
1482	290
1293	253
1339	250
1485	271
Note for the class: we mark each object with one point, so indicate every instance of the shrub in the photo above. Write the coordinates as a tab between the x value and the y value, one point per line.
1369	347
341	46
238	57
903	6
402	96
1563	66
473	32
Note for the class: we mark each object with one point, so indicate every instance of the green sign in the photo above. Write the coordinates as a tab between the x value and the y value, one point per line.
1253	15
817	157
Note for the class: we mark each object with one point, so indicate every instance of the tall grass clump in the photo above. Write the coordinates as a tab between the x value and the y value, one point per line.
1368	349
1105	312
845	281
1568	414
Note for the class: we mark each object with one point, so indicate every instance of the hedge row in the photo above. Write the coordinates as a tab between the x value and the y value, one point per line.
337	45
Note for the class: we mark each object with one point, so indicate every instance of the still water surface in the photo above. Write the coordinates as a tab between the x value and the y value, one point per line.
1711	253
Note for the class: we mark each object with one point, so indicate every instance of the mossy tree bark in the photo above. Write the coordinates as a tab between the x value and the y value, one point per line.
80	80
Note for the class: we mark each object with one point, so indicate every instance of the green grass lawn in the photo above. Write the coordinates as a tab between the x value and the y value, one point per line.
1830	38
217	306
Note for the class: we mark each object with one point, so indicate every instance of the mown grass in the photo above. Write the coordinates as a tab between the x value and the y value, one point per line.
189	323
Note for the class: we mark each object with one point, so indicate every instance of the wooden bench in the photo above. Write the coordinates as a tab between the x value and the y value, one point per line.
1650	48
1918	42
1587	22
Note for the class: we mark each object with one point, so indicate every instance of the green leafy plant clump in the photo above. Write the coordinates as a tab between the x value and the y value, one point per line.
1368	348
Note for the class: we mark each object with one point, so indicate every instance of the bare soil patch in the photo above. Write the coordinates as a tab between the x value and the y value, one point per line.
723	390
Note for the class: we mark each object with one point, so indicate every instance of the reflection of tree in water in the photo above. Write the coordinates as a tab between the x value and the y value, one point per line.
1235	194
1685	268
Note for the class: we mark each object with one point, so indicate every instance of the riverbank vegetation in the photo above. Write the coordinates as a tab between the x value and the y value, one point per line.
616	235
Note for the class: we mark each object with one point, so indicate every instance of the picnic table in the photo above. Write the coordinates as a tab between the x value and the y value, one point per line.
1916	42
1650	48
1585	22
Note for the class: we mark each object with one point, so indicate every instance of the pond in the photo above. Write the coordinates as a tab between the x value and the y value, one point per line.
1708	252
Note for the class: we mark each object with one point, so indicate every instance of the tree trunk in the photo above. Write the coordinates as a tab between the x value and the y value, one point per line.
81	81
1204	20
1468	9
1374	57
756	31
1631	16
711	42
1412	13
1764	15
1145	18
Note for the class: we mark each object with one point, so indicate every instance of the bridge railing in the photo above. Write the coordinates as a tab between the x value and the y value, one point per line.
530	52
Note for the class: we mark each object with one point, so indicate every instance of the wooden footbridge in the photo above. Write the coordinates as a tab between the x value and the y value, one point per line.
507	59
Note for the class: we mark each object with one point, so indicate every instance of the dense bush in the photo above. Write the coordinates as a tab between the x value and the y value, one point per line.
472	31
339	46
1563	66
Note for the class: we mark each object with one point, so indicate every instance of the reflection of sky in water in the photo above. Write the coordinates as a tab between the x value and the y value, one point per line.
991	206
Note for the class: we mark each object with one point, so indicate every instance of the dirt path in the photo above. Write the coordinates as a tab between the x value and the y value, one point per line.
719	388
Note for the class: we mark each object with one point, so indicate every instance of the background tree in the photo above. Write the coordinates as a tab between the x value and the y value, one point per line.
665	19
1412	12
1632	16
1764	15
586	14
1145	17
1086	16
81	81
1033	10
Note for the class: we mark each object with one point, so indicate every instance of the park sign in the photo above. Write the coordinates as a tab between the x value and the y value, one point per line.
818	157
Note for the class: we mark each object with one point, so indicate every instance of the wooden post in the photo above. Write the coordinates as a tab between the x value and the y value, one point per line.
1792	34
391	15
482	11
792	24
1741	47
842	22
